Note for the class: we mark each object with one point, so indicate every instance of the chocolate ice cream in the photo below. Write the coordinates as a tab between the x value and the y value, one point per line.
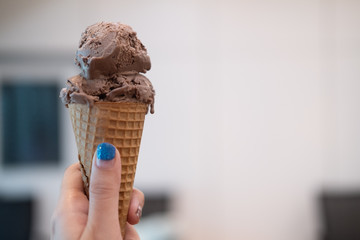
111	58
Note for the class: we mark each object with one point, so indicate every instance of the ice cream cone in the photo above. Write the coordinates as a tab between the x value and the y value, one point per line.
118	123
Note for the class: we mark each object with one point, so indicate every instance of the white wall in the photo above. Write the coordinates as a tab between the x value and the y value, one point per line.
341	59
257	105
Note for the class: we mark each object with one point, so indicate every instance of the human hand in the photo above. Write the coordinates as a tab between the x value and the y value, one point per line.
77	218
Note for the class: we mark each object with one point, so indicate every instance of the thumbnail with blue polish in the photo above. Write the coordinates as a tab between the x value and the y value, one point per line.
105	151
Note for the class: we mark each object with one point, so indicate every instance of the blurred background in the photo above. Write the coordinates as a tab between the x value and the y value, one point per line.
256	128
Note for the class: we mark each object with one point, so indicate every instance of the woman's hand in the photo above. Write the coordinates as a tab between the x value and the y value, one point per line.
76	217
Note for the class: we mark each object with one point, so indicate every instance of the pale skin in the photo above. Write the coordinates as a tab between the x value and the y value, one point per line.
96	218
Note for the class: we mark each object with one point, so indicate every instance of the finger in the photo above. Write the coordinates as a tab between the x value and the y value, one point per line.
104	192
72	190
70	216
136	206
130	233
71	180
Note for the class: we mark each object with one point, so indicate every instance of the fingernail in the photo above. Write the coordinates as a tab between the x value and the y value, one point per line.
105	154
139	211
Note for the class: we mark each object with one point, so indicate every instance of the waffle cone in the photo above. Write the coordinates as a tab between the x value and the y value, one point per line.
120	124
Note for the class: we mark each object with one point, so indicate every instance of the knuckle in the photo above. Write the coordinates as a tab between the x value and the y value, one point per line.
102	190
139	195
142	196
71	169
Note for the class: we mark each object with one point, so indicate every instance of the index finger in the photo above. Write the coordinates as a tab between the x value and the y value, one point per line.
72	189
70	216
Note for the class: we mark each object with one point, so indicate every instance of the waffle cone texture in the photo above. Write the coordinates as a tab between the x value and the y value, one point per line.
118	123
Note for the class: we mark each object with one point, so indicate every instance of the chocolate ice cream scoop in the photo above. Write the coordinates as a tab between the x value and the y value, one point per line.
106	48
130	87
111	58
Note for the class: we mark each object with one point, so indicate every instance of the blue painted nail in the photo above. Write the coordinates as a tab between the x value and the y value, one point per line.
105	151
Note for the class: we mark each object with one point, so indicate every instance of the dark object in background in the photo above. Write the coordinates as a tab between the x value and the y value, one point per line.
15	219
156	203
341	216
30	123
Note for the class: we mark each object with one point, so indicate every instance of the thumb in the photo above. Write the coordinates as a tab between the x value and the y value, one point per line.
104	193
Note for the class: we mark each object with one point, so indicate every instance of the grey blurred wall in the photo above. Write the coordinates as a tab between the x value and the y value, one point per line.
257	106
